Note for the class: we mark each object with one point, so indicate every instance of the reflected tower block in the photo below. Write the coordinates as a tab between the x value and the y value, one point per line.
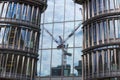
19	38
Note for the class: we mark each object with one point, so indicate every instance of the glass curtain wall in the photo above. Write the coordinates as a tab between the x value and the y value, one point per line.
60	19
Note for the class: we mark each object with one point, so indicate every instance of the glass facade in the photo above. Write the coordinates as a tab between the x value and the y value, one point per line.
60	19
101	40
19	38
100	7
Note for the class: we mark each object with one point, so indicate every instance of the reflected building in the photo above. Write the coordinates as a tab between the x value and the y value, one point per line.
79	68
101	39
57	71
19	38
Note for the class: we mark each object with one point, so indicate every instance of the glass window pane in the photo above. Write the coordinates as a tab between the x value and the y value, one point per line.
46	38
69	7
49	12
22	40
6	35
45	63
34	15
18	11
111	4
111	28
29	13
14	11
2	34
1	6
17	37
59	11
77	62
4	9
78	35
27	41
56	68
58	31
24	12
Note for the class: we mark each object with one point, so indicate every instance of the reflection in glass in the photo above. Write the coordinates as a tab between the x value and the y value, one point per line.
27	39
111	4
29	12
34	15
24	12
18	11
95	7
11	36
6	35
17	37
9	11
14	11
1	5
1	34
105	29
4	9
111	29
23	34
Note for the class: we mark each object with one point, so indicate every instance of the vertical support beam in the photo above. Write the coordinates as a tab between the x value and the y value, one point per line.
97	54
6	60
88	63
102	32
11	64
97	7
83	68
88	35
23	60
32	70
28	64
107	22
108	60
93	64
88	7
115	59
97	33
102	7
85	64
92	34
92	8
103	62
85	36
17	65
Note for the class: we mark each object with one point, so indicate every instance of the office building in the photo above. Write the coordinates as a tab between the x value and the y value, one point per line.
19	38
101	36
60	19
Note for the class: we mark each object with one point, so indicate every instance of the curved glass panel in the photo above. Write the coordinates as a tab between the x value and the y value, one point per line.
2	29
18	11
24	10
5	6
22	40
9	11
6	35
14	11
